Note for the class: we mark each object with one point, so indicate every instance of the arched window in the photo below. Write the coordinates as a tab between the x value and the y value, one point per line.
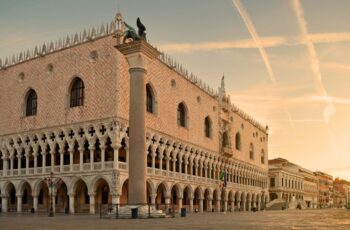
225	142
251	151
150	103
262	156
181	115
77	93
207	127
31	103
238	142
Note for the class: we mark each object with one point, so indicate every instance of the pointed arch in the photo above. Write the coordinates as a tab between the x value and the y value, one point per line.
208	127
238	141
151	99
76	96
225	140
262	156
182	115
31	103
251	151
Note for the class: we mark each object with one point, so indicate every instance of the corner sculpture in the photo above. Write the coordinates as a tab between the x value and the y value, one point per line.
131	32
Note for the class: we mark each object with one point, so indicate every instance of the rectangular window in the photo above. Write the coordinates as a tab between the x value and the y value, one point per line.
272	182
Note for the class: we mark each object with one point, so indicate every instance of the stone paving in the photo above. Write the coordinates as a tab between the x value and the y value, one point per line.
306	219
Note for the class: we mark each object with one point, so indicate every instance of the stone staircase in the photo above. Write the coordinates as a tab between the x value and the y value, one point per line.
277	204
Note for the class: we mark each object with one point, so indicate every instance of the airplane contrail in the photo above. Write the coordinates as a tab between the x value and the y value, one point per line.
251	29
329	110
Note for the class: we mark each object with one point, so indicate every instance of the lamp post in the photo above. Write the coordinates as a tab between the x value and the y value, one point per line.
51	184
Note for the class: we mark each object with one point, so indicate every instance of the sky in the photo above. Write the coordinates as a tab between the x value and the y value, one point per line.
285	62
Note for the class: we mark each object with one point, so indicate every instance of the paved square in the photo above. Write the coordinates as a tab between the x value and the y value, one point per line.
306	219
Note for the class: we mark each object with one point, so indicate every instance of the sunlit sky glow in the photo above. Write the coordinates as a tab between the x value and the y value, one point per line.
286	62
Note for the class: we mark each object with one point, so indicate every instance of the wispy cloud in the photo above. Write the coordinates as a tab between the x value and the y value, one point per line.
266	42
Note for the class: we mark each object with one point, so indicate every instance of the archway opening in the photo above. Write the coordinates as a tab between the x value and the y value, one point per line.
124	196
27	199
206	205
196	199
43	197
62	199
186	198
103	197
174	202
82	199
160	198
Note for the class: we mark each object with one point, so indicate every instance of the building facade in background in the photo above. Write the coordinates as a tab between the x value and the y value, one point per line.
325	189
291	186
64	113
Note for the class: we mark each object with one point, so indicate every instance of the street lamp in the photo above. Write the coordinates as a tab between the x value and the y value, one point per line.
51	184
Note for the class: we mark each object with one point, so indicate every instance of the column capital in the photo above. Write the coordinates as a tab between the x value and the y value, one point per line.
138	54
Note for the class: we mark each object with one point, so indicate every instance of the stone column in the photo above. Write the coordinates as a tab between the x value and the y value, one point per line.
53	203
92	149
239	204
225	206
210	203
11	164
179	206
249	205
201	205
103	148
161	161
191	204
116	156
244	204
153	199
81	157
180	166
167	158
19	203
92	203
19	162
103	141
4	201
71	152
218	205
233	205
138	55
44	161
61	161
35	203
71	203
27	160
153	156
167	203
35	154
52	153
6	165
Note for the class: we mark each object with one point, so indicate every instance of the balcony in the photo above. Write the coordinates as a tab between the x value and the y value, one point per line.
227	151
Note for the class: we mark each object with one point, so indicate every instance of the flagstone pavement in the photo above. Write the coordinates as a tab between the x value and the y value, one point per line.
296	219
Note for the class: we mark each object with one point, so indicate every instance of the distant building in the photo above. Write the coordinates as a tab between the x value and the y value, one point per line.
325	189
290	182
340	193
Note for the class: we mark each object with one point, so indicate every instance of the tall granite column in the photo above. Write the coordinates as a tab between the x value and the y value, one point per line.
138	55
